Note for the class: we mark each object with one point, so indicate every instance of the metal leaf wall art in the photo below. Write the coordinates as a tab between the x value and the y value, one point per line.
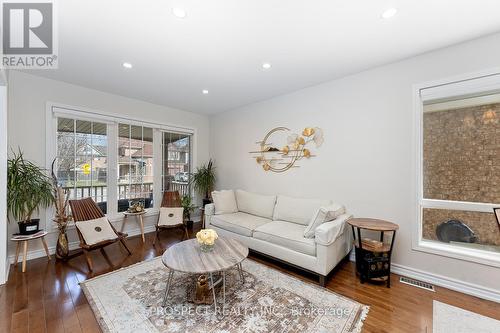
293	148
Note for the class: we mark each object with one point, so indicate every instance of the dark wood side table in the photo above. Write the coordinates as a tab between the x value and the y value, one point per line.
373	258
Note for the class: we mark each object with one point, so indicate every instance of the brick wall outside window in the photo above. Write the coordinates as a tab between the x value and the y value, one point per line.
461	151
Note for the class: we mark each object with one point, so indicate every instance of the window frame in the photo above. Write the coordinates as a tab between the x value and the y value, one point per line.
142	125
112	120
191	163
465	84
75	156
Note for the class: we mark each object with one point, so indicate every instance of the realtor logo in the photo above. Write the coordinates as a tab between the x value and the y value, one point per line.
28	35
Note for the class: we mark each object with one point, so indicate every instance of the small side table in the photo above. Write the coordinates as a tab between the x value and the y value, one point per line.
139	218
372	261
22	240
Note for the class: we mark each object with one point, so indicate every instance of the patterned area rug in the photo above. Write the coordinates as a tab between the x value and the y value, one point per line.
129	300
447	318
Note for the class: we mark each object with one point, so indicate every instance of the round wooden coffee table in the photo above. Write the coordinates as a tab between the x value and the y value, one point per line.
187	257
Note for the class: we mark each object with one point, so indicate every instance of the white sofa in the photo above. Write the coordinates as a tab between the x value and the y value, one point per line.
275	225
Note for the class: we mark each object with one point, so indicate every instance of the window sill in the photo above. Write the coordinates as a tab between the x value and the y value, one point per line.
115	218
488	258
118	217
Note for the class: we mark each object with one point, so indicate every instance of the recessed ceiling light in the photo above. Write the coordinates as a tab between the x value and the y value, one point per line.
266	65
179	12
204	92
389	13
127	65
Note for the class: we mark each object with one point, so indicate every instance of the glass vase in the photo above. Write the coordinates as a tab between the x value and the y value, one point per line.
206	247
62	248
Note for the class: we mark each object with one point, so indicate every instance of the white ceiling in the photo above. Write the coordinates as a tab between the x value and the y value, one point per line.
221	44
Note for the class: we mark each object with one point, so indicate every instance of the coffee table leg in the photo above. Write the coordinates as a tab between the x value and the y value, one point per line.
240	270
18	247
123	223
213	291
141	221
25	255
223	290
167	289
45	247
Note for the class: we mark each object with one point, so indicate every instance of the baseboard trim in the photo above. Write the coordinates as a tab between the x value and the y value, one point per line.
72	246
443	281
438	280
449	283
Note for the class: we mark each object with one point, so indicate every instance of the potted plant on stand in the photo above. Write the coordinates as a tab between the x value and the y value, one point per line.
28	189
204	180
187	204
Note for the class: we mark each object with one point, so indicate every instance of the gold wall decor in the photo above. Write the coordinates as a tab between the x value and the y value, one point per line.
280	149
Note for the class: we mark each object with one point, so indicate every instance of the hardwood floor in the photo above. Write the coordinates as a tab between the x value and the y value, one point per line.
48	298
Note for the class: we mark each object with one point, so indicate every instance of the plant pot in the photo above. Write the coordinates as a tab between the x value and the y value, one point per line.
206	201
29	228
189	224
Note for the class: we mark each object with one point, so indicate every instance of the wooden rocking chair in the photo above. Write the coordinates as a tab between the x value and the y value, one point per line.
171	199
86	210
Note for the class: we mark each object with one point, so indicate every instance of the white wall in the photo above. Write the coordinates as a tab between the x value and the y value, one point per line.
28	96
3	179
368	160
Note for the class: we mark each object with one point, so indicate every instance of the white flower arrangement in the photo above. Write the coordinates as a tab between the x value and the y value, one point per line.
206	237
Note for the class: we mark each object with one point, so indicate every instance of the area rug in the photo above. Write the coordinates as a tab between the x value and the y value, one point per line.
129	300
447	318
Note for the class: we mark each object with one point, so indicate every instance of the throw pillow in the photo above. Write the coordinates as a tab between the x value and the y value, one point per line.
225	202
170	216
322	215
96	231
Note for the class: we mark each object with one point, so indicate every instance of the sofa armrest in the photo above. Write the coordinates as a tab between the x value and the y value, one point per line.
328	232
210	209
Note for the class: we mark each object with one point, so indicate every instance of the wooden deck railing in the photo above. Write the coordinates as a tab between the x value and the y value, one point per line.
125	191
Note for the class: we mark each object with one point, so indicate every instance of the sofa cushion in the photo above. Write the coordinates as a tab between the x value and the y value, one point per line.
297	210
322	215
224	201
96	231
170	216
241	223
286	234
255	204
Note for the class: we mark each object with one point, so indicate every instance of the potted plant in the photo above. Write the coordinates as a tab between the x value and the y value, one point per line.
204	180
187	204
28	189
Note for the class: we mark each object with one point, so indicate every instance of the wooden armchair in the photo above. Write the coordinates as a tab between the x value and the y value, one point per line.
86	210
171	199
